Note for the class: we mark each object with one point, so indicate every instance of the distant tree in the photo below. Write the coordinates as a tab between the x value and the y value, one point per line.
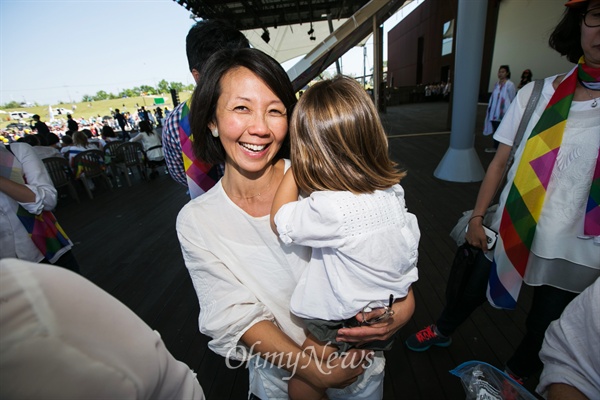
147	89
127	93
101	95
12	104
87	98
163	86
190	87
178	86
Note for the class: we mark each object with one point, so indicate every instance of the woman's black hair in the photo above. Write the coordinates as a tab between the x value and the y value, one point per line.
566	37
206	95
107	131
507	68
145	126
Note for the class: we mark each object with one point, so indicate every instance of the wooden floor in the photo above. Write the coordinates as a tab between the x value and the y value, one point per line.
125	242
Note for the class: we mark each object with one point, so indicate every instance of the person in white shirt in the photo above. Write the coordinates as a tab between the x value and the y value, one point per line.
26	191
364	242
65	338
243	275
571	350
503	94
149	140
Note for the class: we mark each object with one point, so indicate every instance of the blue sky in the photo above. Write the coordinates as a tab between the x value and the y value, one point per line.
55	50
60	50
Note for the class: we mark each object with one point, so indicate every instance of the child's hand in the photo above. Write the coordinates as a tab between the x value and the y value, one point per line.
403	311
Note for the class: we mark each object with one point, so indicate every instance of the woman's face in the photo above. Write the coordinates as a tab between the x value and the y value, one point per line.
502	74
252	121
590	39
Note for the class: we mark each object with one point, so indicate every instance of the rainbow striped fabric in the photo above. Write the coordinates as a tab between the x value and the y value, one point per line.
43	229
526	195
200	175
45	232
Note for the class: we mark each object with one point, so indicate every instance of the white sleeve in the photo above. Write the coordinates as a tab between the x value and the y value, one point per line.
36	179
571	349
97	347
510	122
313	221
227	307
511	90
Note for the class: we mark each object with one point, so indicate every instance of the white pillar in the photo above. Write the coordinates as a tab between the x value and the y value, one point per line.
461	163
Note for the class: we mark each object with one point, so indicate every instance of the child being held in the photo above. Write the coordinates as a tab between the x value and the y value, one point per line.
365	243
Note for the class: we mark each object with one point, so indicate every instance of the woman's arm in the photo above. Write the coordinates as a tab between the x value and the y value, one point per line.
403	311
286	193
491	182
266	340
38	193
19	192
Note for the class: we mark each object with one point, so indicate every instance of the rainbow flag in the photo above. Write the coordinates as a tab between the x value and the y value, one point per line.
200	175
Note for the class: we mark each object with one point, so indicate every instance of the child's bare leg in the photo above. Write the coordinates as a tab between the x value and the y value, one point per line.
298	388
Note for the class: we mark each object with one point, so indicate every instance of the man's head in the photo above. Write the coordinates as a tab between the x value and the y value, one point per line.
36	117
207	37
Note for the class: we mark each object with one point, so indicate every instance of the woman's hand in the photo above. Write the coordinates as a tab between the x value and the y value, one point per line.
403	311
475	235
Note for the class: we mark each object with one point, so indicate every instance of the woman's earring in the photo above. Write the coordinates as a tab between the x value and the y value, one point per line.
215	132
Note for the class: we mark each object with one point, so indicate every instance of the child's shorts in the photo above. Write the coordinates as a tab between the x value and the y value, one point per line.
326	332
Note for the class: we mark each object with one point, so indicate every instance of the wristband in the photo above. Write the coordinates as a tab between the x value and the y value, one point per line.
474	216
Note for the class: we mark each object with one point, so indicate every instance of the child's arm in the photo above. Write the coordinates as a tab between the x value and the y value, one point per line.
286	193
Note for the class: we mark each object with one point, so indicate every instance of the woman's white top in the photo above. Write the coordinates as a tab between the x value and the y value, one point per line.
243	275
558	256
365	247
149	141
14	238
500	100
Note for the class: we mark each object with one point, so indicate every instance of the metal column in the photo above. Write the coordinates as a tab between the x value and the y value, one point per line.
461	163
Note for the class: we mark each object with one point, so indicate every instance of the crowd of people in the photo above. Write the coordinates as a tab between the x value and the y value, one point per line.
124	123
295	205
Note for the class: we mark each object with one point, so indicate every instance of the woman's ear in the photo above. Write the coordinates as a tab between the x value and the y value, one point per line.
213	129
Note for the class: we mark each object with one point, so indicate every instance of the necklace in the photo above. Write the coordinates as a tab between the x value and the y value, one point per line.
262	190
595	102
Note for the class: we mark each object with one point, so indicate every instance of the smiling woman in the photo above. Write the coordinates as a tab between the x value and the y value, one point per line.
243	275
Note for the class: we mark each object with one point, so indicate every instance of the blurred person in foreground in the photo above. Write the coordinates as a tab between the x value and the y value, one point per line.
571	350
65	338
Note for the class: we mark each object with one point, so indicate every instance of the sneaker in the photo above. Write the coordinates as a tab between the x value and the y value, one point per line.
426	338
489	150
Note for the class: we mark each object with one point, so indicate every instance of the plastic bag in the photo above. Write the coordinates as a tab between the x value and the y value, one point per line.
458	232
483	381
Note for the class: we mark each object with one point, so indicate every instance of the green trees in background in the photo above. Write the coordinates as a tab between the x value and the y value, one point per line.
162	87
